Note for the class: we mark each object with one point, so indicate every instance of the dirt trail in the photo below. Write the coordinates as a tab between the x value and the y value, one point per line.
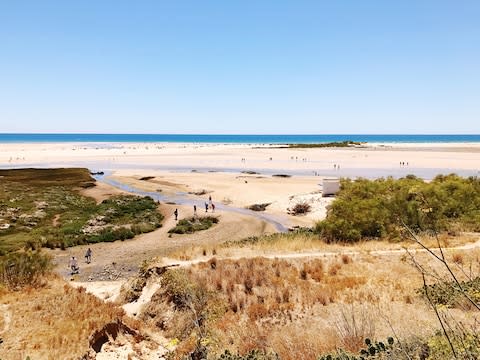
123	258
320	254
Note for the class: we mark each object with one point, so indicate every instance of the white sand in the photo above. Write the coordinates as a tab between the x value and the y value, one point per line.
220	156
172	164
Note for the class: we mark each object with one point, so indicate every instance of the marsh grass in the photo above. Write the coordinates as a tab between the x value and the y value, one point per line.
43	207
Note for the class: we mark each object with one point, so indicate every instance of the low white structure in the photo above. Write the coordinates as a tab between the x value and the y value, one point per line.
330	186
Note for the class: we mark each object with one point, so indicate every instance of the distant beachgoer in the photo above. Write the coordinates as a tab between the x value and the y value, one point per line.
176	214
206	207
73	265
194	210
210	200
213	207
88	256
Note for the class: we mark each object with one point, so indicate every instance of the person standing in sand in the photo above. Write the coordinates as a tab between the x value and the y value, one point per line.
88	256
194	210
213	207
206	207
176	214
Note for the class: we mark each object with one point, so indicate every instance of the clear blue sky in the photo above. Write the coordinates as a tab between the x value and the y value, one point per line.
245	66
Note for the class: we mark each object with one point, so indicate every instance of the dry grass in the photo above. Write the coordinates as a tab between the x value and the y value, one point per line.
257	296
263	286
457	258
287	305
53	322
309	242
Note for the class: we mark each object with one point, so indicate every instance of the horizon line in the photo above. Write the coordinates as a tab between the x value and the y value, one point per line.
235	134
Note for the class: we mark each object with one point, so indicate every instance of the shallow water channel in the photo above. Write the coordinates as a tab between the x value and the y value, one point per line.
184	199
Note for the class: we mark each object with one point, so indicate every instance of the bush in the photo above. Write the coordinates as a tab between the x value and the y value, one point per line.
191	225
110	234
258	207
252	355
373	350
376	208
21	269
448	294
300	208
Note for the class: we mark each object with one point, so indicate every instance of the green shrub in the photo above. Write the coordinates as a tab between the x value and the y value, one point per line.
377	208
193	224
110	234
373	350
465	342
25	268
252	355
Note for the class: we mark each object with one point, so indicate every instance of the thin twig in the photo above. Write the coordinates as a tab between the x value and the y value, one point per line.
438	316
444	262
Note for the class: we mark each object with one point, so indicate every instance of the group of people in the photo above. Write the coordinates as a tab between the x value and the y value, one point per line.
296	158
73	263
208	205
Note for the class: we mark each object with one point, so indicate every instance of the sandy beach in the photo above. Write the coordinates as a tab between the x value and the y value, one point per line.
241	175
371	160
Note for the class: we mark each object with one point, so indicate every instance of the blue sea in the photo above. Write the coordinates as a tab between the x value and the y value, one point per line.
234	139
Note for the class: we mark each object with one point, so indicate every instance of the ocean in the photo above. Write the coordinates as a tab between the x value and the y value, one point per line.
233	139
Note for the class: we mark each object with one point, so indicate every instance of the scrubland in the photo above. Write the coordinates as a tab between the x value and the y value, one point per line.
393	270
300	308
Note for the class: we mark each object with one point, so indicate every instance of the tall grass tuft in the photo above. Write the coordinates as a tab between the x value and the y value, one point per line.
25	268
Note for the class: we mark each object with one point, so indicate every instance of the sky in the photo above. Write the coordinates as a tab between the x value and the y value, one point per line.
240	66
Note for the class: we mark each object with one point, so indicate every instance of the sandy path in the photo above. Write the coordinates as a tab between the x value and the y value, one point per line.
123	258
322	254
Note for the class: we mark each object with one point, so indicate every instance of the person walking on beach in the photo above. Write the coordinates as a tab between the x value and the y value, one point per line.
210	200
213	207
194	210
206	207
88	256
176	214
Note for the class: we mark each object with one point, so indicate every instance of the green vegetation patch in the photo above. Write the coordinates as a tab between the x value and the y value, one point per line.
327	145
43	207
193	224
377	208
